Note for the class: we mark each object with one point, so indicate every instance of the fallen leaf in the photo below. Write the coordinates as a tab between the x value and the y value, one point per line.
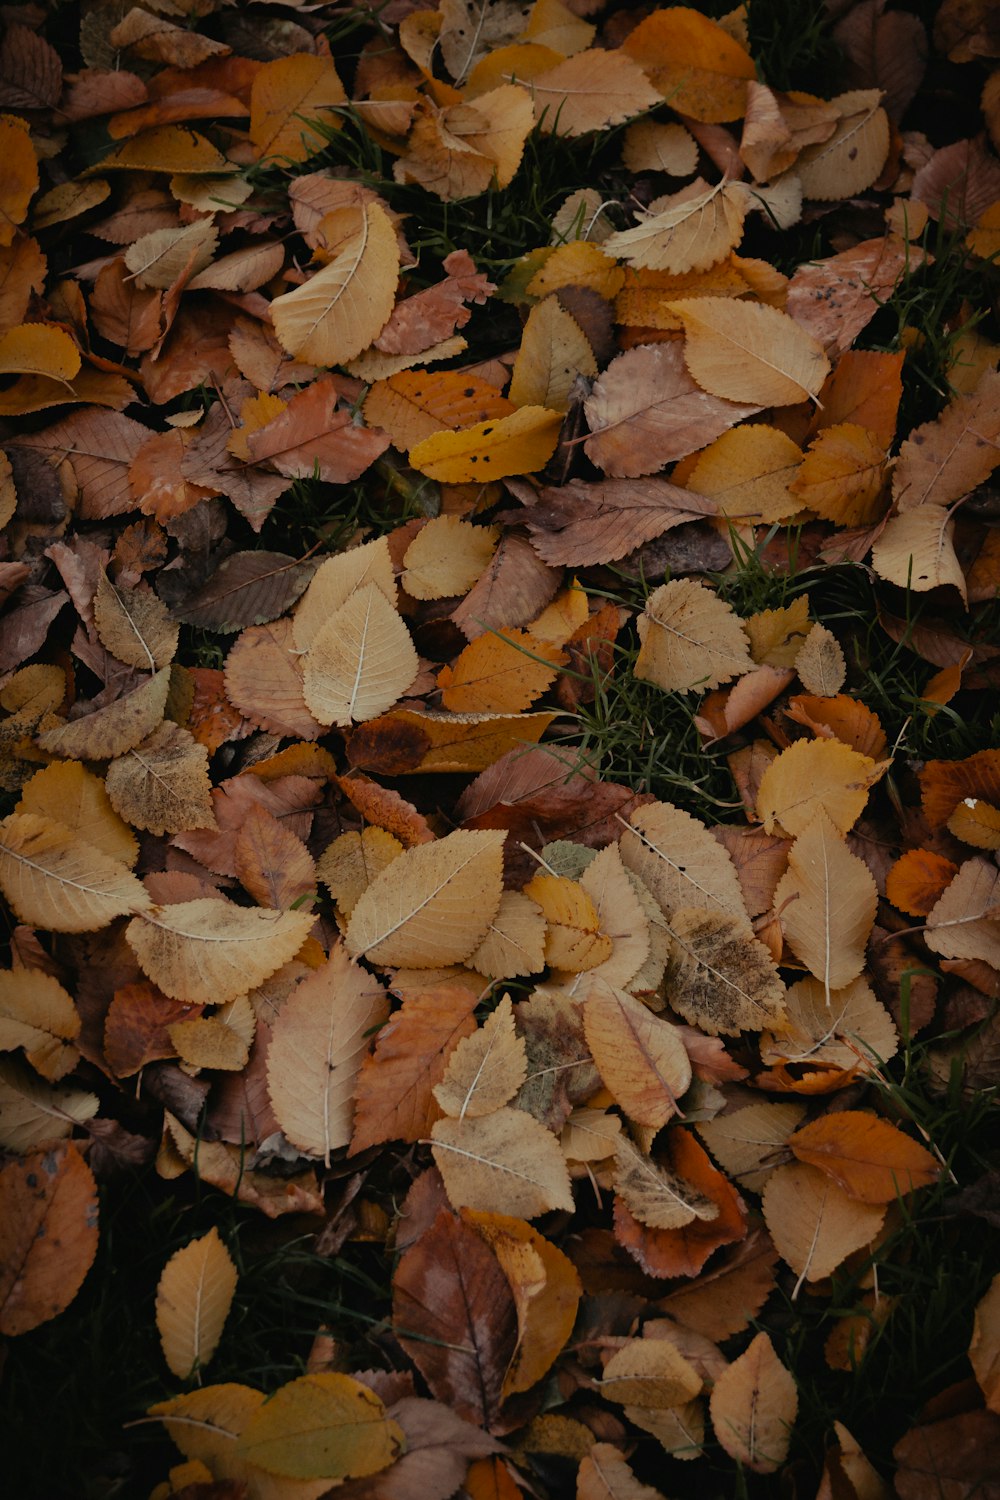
193	1298
326	1426
813	776
827	902
54	880
641	1058
718	978
210	951
871	1159
286	95
48	1236
693	63
813	1223
690	638
502	1162
753	1405
486	1068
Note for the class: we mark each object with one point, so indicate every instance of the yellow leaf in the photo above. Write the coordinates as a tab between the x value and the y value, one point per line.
433	905
515	940
157	259
748	471
546	1288
848	1028
38	349
917	551
827	901
695	65
327	1426
446	557
504	1162
552	354
573	940
350	864
32	1114
852	158
690	639
415	404
517	444
650	1372
870	1158
169	148
690	231
68	793
820	663
193	1298
54	880
813	1223
753	1406
813	776
37	1014
580	263
680	862
286	96
209	951
640	1058
500	672
842	475
339	311
745	351
591	91
486	1069
360	662
335	580
320	1038
777	635
20	177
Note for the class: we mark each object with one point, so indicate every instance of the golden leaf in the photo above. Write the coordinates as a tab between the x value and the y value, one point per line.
68	793
504	1162
851	159
515	939
433	905
848	1028
573	939
842	475
360	662
917	551
519	443
486	1069
54	880
38	349
680	862
689	231
339	311
193	1298
827	901
590	91
813	776
552	353
749	472
285	96
745	351
641	1058
694	63
320	1038
326	1426
753	1407
650	1372
814	1224
446	557
37	1014
209	951
690	639
658	1198
335	580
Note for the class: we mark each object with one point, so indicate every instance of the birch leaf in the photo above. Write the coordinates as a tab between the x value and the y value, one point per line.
677	858
320	1038
53	880
48	1236
720	979
209	951
753	1407
870	1158
68	793
516	444
323	1426
32	1114
338	312
111	731
515	940
37	1014
640	1058
690	639
815	1226
917	551
655	1196
591	91
820	663
963	923
360	662
698	229
433	905
652	1373
193	1298
814	776
486	1069
135	625
854	155
746	351
286	94
605	1475
504	1162
827	900
162	784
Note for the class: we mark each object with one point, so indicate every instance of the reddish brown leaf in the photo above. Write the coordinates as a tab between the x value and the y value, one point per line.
48	1235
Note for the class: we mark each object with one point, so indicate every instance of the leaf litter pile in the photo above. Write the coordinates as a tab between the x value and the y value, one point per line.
458	830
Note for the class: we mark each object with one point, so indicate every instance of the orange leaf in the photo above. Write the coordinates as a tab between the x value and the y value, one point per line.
683	1251
696	65
499	673
918	880
287	95
48	1235
20	175
872	1160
